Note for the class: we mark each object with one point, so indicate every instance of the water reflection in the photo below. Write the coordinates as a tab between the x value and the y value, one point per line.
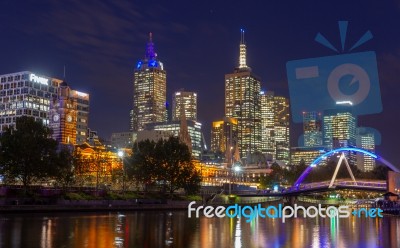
174	229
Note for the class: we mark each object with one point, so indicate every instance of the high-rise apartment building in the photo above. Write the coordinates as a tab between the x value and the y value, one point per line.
149	90
186	101
339	127
224	135
282	130
268	145
242	101
312	127
366	141
275	119
30	94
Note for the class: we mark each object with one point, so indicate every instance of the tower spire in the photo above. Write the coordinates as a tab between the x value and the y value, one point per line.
242	51
150	51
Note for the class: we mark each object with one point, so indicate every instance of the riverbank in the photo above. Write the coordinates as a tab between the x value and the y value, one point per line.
101	205
61	205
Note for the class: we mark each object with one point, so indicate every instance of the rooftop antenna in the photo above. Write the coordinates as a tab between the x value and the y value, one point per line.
242	50
150	51
64	73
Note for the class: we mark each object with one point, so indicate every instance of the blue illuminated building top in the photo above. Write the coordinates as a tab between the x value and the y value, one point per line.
150	60
152	63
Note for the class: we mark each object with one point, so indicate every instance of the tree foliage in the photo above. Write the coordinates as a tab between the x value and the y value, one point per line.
28	154
166	163
63	168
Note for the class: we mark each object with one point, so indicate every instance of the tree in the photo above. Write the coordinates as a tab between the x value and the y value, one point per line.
63	168
296	171
140	167
276	176
27	151
165	162
379	172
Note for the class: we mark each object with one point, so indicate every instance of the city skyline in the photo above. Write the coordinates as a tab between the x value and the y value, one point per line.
108	73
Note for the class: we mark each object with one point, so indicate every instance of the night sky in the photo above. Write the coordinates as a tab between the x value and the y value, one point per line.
100	42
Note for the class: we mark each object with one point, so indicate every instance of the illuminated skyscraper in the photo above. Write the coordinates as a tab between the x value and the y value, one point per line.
187	101
312	129
149	90
281	127
339	127
268	123
242	101
275	126
224	135
365	140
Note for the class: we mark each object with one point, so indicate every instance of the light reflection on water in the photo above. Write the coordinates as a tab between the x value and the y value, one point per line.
174	229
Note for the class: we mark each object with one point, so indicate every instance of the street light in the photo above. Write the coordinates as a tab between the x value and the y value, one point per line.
236	168
121	155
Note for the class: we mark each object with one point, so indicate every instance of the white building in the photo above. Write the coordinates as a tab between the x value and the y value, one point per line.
27	93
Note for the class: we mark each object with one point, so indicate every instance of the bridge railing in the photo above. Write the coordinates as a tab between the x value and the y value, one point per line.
362	184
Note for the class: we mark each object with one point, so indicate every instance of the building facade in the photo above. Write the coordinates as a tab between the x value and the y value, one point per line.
193	128
123	139
224	134
153	135
306	155
282	129
30	94
82	115
149	91
63	116
366	141
312	128
184	101
339	127
242	101
268	145
25	94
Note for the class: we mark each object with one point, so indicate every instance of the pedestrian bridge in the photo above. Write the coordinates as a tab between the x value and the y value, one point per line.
307	188
299	187
376	185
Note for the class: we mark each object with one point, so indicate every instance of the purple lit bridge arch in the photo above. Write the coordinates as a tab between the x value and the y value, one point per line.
343	149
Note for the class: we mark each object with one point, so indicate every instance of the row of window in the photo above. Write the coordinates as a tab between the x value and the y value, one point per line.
34	85
23	104
20	112
30	91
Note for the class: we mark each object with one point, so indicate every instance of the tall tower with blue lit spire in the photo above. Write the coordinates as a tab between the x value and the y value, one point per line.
149	90
242	101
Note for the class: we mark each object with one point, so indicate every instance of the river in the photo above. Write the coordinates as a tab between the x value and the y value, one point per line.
175	229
